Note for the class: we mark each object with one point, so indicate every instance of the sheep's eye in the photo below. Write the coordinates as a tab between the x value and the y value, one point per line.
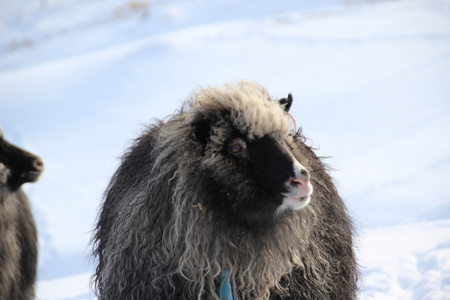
235	148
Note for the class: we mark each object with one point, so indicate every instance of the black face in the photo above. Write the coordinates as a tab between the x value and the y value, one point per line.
271	168
247	190
22	165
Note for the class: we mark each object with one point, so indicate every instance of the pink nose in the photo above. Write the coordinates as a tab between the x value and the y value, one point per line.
300	181
301	177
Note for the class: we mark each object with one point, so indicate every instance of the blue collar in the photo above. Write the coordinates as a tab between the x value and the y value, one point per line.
227	287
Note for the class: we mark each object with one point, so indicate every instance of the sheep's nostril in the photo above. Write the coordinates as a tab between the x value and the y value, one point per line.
304	175
38	164
299	181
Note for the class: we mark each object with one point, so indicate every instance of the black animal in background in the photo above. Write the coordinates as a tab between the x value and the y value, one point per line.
221	200
18	235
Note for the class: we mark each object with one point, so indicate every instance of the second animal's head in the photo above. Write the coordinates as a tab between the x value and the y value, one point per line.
250	163
17	166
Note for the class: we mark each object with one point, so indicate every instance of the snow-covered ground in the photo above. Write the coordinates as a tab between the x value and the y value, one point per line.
371	86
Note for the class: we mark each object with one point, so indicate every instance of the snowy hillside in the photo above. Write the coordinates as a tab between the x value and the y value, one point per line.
371	86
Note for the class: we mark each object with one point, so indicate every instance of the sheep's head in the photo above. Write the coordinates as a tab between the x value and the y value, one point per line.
250	163
17	166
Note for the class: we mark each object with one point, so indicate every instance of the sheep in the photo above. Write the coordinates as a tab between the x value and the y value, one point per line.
18	233
223	201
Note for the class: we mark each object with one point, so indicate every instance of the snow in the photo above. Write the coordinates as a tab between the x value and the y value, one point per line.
371	86
408	261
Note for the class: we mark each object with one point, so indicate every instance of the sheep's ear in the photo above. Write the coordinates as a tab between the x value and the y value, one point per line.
286	102
201	129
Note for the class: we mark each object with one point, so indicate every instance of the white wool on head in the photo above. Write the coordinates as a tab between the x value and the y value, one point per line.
252	109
